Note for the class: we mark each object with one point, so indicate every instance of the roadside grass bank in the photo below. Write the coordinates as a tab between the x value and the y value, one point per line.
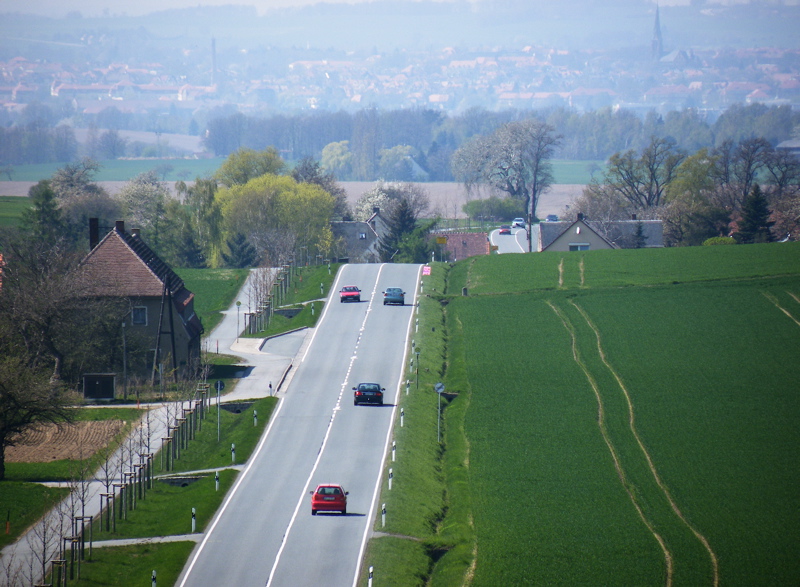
134	565
428	538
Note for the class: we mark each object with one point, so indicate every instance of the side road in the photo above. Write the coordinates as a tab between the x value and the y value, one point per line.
269	361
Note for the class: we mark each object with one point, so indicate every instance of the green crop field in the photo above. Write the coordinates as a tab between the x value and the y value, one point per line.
633	415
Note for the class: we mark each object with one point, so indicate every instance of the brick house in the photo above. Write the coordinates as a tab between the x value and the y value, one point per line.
460	245
161	308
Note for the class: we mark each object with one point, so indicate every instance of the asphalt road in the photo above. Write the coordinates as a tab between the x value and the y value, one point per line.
516	242
264	533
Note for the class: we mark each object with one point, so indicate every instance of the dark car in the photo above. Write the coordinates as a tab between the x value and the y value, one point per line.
329	498
394	295
350	293
551	218
505	229
368	393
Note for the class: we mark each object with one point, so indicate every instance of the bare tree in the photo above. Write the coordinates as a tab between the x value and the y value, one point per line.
642	180
515	159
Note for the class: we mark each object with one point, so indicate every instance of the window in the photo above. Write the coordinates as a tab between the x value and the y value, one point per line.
578	246
362	235
139	315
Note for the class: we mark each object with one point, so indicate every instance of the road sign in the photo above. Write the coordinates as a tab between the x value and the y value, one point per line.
441	240
439	387
219	385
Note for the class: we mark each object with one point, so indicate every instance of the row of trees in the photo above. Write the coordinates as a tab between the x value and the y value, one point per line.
395	145
712	192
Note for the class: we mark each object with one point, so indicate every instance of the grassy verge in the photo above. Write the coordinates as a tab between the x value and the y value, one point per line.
22	504
134	565
166	510
428	536
214	291
206	452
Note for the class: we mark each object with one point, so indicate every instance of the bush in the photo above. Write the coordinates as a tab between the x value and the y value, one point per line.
719	240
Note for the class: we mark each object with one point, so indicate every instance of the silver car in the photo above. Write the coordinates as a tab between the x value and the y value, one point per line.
394	295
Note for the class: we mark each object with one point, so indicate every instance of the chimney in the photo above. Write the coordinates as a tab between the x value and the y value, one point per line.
94	233
580	215
633	216
119	226
375	209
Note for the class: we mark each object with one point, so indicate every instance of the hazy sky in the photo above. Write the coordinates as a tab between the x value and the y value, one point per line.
59	8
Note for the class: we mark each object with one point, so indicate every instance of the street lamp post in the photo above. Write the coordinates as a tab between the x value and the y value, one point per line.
238	305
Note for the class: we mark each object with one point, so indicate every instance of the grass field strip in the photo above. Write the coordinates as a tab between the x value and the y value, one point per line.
777	304
651	465
601	423
634	465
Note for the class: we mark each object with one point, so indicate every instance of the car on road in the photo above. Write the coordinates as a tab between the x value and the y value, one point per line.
518	223
505	229
551	218
329	498
368	393
394	295
350	293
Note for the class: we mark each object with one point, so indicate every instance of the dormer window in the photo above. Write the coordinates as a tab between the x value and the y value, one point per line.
362	236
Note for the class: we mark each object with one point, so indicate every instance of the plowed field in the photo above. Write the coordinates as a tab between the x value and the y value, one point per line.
75	441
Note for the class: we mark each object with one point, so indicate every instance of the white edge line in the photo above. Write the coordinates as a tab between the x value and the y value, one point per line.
232	493
370	521
334	287
320	452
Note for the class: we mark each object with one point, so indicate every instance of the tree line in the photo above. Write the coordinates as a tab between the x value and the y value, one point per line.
394	145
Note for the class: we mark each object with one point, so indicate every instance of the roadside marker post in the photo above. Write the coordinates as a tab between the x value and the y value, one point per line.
390	479
402	415
194	520
394	449
216	480
383	514
233	454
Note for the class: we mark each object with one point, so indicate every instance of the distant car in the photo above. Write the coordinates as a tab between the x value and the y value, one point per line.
505	229
551	218
329	498
368	393
394	295
350	293
518	223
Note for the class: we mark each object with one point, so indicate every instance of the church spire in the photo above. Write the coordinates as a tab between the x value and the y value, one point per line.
657	44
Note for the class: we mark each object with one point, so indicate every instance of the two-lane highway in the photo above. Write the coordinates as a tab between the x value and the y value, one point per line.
264	533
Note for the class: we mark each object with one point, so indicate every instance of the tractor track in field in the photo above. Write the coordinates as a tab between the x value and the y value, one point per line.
668	558
703	540
615	455
777	304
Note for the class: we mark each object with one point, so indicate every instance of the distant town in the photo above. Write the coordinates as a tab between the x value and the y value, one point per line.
192	73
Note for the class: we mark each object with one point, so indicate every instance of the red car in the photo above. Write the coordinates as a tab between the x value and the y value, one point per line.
329	498
505	229
350	293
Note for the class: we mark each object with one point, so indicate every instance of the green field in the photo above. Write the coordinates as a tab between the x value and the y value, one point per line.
632	415
613	418
564	171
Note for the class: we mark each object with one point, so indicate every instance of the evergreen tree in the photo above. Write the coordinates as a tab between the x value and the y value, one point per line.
43	221
242	253
402	221
755	225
